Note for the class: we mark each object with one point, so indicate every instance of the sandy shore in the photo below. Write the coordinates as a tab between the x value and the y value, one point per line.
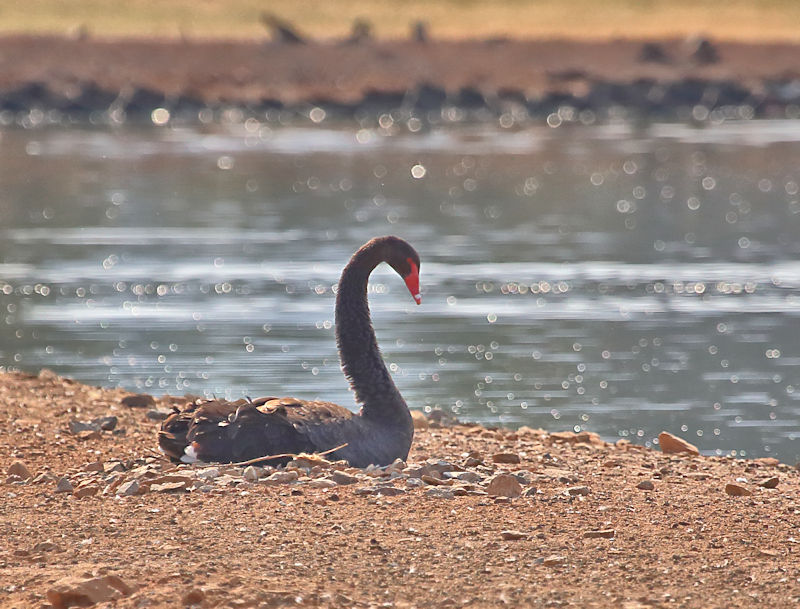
477	517
115	80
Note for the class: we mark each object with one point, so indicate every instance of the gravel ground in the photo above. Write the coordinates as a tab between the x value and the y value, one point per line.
478	517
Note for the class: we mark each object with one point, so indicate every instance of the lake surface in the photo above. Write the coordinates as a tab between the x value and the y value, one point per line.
622	279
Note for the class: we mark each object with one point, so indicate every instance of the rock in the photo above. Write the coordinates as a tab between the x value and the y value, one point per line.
209	473
766	553
195	596
504	485
506	458
734	490
433	480
390	491
464	476
604	534
670	444
168	487
509	535
64	485
94	466
281	477
530	492
44	547
106	423
157	415
88	490
252	473
366	490
113	466
321	483
18	468
420	420
554	561
342	478
646	485
76	426
139	400
578	491
769	482
473	461
89	435
129	488
74	591
440	492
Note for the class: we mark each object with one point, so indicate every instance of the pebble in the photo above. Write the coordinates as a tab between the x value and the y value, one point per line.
770	482
646	485
128	488
433	480
504	485
75	426
670	444
251	473
18	468
281	477
113	466
168	487
506	458
603	534
74	591
554	561
390	491
736	490
106	423
94	466
322	483
195	596
463	476
510	535
88	490
45	546
210	473
578	490
342	478
440	492
64	485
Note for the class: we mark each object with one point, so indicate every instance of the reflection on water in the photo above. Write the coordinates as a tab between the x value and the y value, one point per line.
619	279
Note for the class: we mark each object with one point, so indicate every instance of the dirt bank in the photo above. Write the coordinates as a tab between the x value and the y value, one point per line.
89	511
117	80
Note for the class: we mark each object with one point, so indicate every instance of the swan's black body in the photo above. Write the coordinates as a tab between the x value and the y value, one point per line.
380	433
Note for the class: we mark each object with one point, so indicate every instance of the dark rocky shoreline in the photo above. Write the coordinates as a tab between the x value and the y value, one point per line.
63	81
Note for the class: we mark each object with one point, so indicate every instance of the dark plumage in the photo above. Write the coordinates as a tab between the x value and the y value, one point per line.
381	432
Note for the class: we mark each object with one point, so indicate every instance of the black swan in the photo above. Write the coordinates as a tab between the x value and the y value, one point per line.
222	431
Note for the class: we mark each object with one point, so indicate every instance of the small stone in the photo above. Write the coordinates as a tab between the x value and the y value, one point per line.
129	488
168	487
433	480
506	458
342	478
554	561
578	491
504	485
44	547
736	490
440	492
281	477
419	419
603	534
94	466
139	400
390	491
106	423
73	591
113	466
765	553
473	461
509	535
18	468
157	415
770	482
646	485
195	596
463	476
322	483
670	444
89	435
75	426
64	485
530	492
89	490
209	473
251	473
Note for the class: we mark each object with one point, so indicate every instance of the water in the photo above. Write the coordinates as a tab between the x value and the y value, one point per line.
615	278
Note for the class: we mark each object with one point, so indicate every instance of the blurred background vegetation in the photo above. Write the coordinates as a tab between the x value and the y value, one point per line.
744	20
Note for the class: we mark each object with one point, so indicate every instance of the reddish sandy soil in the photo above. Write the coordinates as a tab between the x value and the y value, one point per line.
252	72
99	516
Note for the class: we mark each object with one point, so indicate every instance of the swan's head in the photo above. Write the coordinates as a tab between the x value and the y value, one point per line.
404	260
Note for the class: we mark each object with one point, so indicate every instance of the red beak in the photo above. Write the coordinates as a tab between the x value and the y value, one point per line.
412	281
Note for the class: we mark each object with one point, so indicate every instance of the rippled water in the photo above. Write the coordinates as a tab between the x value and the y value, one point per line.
619	279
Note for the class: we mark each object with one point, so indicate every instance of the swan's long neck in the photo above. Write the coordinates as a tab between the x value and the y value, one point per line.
358	348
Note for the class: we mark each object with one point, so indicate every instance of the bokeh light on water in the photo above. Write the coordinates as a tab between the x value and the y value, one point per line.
618	279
